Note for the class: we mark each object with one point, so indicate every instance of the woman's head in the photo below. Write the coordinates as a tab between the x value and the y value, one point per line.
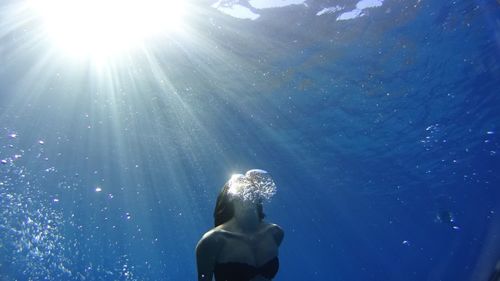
225	206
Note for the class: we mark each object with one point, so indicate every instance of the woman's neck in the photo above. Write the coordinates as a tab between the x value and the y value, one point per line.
246	221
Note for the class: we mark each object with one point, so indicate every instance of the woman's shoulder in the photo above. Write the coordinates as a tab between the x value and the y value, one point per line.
267	226
211	239
271	225
276	231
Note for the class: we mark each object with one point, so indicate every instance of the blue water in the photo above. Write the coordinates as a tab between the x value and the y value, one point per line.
381	133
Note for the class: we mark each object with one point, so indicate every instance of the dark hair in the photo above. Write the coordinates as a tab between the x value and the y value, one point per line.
224	208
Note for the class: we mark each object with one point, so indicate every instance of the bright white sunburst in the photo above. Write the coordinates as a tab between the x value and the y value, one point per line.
106	27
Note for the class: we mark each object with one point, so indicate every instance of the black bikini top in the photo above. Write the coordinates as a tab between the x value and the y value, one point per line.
238	271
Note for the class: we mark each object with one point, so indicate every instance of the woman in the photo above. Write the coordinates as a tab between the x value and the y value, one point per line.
241	247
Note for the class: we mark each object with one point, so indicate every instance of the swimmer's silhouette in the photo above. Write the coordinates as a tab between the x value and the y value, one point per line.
241	246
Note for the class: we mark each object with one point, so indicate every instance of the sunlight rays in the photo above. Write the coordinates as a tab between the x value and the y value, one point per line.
176	96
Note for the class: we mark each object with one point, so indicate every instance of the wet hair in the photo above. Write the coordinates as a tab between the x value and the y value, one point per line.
224	207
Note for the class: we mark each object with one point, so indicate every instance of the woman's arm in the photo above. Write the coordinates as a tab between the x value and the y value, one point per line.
206	253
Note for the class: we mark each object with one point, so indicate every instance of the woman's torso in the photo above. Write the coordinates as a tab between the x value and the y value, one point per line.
253	256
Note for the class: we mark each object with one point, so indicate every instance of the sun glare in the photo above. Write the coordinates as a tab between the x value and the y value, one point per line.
107	27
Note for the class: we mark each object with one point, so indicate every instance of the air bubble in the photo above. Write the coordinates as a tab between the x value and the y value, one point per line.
255	186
